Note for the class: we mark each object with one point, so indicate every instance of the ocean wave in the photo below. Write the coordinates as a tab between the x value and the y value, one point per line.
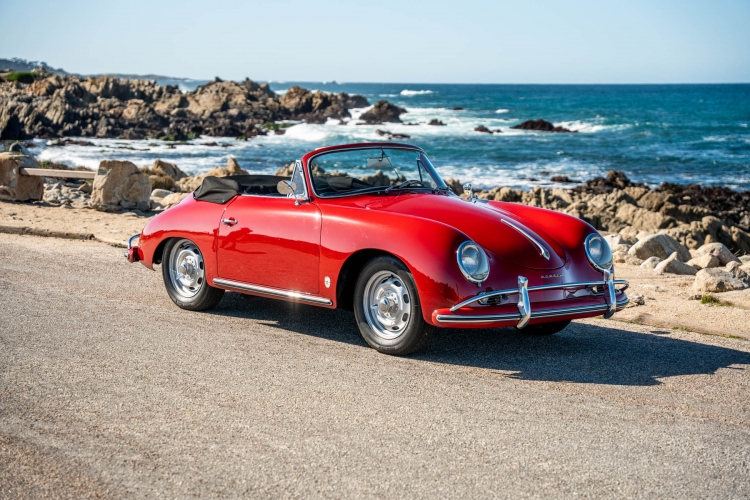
501	111
415	92
590	128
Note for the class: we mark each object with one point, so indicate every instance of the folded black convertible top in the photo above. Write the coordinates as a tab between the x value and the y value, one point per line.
222	189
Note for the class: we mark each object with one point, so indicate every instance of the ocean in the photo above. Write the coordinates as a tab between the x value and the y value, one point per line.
654	133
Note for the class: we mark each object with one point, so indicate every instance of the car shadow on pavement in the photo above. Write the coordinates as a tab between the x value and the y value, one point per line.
581	353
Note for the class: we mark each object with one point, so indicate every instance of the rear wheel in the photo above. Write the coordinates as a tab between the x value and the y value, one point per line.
387	308
184	276
546	328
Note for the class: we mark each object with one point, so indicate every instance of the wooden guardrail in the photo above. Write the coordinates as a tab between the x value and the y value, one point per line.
62	174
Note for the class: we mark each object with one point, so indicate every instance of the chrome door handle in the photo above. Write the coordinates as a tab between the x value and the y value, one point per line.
229	222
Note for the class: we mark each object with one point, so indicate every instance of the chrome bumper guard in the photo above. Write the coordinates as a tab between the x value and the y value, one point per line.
525	314
132	252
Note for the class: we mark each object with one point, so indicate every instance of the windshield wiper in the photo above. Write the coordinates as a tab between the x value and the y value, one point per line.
442	189
404	185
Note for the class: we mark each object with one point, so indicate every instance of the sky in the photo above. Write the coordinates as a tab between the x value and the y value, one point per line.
435	41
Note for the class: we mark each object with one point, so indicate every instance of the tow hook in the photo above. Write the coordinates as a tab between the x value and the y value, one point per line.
132	253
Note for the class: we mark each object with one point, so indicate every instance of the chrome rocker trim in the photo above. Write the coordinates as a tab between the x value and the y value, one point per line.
525	314
272	292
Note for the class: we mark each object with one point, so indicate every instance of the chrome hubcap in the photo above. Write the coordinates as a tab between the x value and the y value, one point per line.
186	269
387	305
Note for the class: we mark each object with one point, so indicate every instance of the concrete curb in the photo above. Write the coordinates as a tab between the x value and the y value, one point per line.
33	231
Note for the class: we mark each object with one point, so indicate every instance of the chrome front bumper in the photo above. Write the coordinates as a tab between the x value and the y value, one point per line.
525	312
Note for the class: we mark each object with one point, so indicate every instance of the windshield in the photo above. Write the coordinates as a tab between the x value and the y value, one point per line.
352	171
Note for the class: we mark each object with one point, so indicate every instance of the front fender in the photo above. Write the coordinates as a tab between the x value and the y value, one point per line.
426	247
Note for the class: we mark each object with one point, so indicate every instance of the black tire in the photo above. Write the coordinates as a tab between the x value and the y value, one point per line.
392	277
546	328
202	296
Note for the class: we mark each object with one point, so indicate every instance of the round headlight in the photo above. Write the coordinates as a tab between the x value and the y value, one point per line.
598	252
473	262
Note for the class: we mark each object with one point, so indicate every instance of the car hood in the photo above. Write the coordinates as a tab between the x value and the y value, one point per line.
496	230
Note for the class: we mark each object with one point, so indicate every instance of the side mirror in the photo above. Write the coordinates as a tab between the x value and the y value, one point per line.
468	191
287	188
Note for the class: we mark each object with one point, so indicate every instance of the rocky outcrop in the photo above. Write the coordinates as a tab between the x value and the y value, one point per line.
541	126
119	185
383	112
659	245
319	106
61	105
17	187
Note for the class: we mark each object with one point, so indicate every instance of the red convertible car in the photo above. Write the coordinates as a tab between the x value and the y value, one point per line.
372	228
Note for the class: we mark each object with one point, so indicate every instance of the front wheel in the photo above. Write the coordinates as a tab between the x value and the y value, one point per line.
184	274
387	308
546	328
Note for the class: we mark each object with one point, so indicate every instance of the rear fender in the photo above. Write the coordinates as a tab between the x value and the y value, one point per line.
197	221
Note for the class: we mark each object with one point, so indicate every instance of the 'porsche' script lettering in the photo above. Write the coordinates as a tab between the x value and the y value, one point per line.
545	276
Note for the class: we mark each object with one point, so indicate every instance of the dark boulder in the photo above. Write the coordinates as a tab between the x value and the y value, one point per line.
436	122
483	129
383	111
541	126
391	135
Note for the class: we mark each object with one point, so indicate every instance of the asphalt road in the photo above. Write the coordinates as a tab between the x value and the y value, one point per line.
108	390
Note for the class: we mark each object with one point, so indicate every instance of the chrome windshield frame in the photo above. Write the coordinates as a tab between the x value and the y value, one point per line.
422	157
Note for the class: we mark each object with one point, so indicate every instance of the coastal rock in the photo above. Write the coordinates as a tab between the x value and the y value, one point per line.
158	194
717	281
650	263
436	122
168	169
706	261
672	265
17	187
190	184
172	199
615	240
659	245
540	125
720	251
119	185
482	129
641	218
381	112
653	200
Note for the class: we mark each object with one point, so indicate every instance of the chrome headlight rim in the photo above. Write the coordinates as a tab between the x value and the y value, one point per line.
591	259
480	251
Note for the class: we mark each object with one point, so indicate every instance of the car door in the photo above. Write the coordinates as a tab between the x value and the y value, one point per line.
271	241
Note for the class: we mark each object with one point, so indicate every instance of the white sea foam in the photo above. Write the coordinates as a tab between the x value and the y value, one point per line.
589	128
501	111
415	92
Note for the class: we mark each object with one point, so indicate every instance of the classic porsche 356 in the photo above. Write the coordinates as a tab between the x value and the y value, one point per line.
372	228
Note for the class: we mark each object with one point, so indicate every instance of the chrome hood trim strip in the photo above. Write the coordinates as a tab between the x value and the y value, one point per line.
529	235
272	292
